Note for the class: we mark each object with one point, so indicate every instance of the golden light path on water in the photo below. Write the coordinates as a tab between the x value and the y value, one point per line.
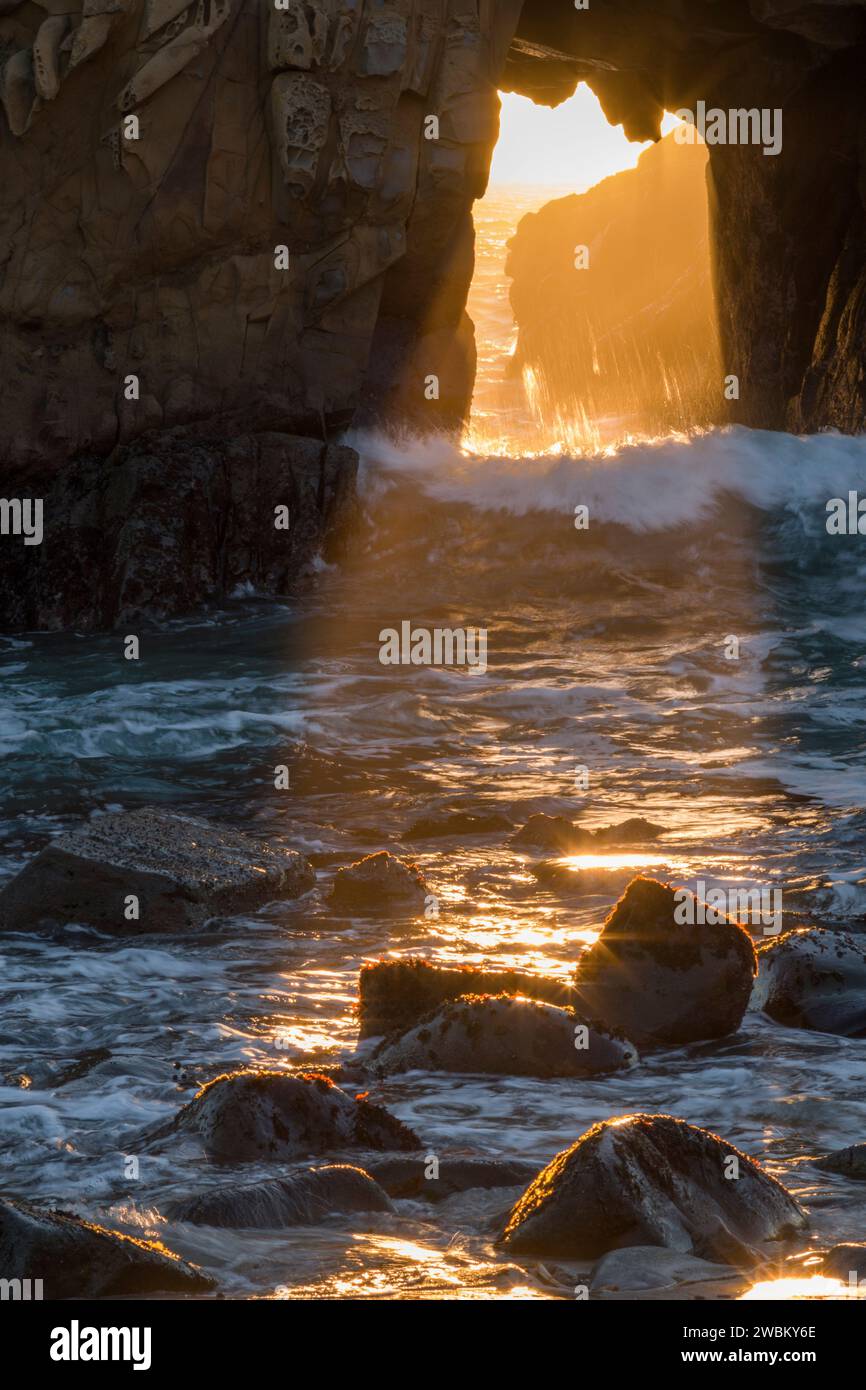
811	1286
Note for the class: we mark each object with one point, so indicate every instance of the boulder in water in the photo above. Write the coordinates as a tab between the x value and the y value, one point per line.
182	871
816	979
395	994
651	1180
503	1035
250	1115
301	1199
639	1267
850	1162
458	824
846	1262
379	883
661	981
77	1259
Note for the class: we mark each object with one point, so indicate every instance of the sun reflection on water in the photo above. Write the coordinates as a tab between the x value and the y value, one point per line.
811	1286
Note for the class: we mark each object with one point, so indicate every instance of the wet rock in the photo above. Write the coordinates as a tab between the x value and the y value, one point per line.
652	1267
816	979
850	1162
846	1262
660	981
417	1176
651	1180
302	1199
78	1259
502	1036
560	835
457	823
182	870
551	833
395	994
379	883
251	1115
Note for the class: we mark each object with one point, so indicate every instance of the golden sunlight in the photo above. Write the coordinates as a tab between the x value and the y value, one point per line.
815	1286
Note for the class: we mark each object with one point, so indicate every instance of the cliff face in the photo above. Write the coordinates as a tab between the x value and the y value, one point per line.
155	155
626	329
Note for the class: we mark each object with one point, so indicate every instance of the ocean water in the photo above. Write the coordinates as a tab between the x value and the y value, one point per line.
606	651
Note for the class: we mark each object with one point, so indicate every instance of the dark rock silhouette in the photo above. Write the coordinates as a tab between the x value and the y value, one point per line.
652	1180
78	1259
661	981
251	1115
394	994
379	883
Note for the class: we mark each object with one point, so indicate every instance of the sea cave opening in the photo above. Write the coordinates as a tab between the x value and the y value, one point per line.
592	295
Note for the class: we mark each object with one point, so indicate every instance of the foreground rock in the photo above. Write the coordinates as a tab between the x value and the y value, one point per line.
393	995
850	1162
302	1199
434	1181
379	883
182	870
816	979
76	1259
651	1180
503	1036
252	1115
651	1267
661	982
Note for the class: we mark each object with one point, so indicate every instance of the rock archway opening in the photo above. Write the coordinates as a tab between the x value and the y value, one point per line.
592	297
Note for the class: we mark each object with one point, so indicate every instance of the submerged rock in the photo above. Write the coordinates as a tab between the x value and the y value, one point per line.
651	1267
457	823
78	1259
432	1178
557	833
379	883
651	1180
302	1199
850	1162
182	871
251	1115
502	1036
661	981
395	994
816	979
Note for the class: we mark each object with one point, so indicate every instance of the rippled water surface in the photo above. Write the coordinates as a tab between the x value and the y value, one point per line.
606	650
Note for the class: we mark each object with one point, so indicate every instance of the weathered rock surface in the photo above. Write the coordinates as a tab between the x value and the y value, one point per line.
651	1267
850	1162
77	1259
503	1036
651	1180
811	978
169	522
394	994
182	870
302	1199
379	883
664	982
415	1176
251	1115
631	336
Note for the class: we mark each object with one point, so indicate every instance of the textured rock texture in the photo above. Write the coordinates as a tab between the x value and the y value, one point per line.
301	1199
652	1180
182	871
811	978
662	981
77	1259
